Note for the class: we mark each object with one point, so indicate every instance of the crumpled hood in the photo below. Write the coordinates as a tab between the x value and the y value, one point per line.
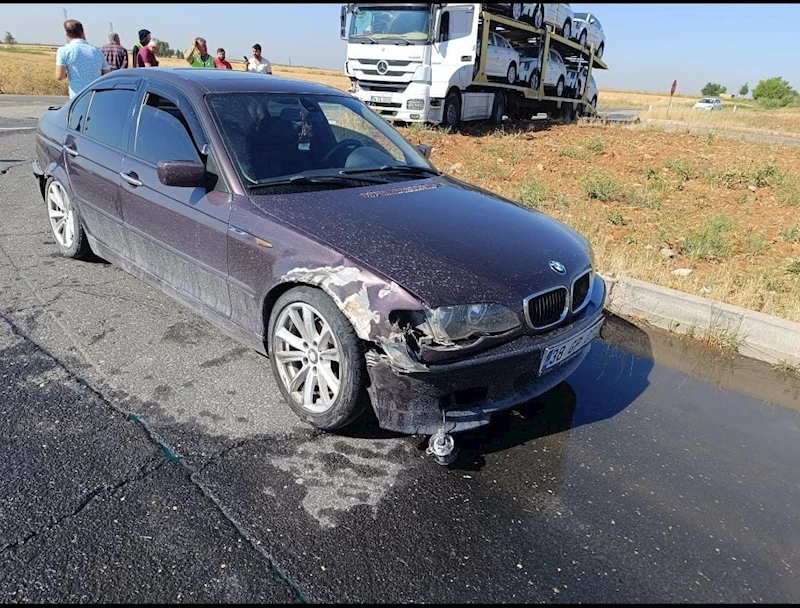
444	241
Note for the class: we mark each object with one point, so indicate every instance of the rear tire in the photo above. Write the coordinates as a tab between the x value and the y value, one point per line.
317	359
600	50
566	30
65	223
582	39
499	108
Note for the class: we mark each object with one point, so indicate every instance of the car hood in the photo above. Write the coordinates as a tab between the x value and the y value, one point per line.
445	241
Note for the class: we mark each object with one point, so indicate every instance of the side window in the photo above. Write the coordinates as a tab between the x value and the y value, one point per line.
108	116
78	112
444	27
163	133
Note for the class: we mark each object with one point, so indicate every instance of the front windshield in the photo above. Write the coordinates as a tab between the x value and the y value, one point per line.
409	24
707	100
274	136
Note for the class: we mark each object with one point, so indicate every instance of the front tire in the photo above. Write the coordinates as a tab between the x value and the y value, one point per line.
317	359
560	87
511	75
600	50
534	82
582	39
65	224
451	116
538	17
566	31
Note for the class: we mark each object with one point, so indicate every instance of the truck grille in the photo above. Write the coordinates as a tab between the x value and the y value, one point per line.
580	291
547	309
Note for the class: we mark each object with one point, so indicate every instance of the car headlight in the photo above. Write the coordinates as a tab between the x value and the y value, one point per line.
453	323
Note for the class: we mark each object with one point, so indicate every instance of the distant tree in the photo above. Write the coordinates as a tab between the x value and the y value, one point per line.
744	90
713	89
163	50
178	54
774	92
9	38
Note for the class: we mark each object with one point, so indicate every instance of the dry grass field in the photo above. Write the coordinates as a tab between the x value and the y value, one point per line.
726	209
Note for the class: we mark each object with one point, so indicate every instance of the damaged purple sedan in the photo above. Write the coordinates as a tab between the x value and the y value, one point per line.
303	224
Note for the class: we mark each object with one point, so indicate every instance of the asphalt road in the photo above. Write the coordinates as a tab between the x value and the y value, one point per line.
147	457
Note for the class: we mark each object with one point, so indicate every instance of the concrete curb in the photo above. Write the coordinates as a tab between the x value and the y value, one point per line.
758	336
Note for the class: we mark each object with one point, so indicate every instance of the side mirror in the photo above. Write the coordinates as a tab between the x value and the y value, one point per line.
342	22
182	173
425	149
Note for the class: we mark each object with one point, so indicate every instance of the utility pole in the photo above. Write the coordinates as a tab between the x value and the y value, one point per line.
65	14
110	26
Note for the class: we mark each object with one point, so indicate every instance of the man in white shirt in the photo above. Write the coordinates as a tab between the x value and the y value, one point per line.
257	63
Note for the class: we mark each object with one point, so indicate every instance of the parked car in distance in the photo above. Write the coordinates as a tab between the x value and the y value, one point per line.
559	15
588	31
303	224
555	74
710	104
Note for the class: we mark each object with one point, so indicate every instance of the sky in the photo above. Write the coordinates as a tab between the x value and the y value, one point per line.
648	45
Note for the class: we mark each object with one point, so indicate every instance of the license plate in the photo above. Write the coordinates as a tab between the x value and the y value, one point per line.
381	99
559	353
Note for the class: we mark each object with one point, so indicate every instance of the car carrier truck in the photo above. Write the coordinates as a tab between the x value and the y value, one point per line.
438	63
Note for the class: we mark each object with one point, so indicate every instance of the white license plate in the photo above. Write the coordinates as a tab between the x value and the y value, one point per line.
559	353
374	99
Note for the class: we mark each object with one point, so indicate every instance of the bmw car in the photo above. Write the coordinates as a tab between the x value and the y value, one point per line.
305	226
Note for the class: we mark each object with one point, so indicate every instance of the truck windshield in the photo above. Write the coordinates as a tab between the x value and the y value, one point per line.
384	23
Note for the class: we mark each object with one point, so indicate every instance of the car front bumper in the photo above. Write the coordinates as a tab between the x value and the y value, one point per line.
463	395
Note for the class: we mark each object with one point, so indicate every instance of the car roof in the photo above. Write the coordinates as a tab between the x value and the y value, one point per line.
206	80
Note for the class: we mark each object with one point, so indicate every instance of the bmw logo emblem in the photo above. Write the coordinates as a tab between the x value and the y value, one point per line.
383	66
557	267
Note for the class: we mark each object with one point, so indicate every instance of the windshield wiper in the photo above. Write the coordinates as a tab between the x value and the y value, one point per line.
314	179
393	168
364	37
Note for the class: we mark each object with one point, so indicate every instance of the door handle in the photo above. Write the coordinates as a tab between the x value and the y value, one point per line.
130	179
466	57
70	150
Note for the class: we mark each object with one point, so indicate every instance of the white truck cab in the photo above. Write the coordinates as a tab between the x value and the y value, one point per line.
415	62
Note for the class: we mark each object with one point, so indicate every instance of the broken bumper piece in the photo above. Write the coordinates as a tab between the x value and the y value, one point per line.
460	396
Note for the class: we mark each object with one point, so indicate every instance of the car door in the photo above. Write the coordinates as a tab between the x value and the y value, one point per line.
551	13
177	234
94	146
456	50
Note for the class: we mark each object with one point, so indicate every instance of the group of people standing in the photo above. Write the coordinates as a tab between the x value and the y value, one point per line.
81	63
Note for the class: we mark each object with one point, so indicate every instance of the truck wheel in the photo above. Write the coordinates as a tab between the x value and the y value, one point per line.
452	111
499	108
560	87
511	75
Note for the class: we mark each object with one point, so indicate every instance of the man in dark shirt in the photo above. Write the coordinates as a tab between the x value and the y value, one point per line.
116	54
144	38
147	54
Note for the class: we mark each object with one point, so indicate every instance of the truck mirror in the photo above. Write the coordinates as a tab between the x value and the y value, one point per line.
342	22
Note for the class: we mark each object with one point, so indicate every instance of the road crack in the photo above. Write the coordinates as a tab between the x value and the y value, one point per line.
169	456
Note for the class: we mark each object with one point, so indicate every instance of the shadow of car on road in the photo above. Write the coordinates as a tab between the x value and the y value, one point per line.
609	380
